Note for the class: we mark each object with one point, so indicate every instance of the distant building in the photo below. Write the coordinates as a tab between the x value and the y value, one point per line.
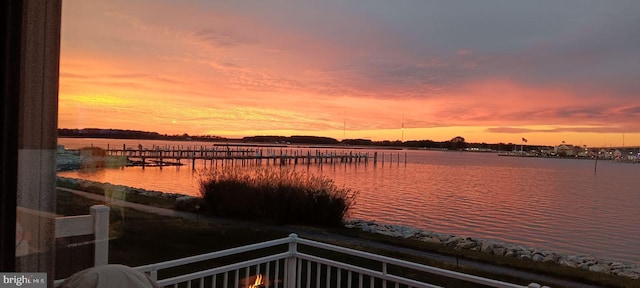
617	154
546	152
564	150
602	153
580	151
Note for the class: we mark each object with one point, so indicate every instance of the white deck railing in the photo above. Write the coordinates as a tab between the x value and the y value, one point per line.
296	262
96	224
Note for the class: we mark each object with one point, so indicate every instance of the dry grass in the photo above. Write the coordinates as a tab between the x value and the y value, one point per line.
274	195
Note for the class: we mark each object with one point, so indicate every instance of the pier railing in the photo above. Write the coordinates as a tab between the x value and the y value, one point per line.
297	262
244	156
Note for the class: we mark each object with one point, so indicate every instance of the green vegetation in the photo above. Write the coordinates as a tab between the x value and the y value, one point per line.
137	237
275	195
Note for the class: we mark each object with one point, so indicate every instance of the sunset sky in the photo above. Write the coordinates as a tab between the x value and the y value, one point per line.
490	71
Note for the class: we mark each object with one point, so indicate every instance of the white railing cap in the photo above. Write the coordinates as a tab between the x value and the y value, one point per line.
100	208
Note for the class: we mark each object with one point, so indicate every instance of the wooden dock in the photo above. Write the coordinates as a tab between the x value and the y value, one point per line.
239	155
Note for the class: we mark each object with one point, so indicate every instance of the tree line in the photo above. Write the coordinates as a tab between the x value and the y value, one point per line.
131	134
455	143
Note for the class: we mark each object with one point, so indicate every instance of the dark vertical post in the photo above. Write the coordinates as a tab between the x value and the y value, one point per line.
37	126
10	35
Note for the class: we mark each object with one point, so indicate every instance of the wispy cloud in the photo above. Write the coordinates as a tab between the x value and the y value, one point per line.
539	67
577	129
223	38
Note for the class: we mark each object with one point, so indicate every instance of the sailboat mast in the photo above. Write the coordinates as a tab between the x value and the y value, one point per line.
402	128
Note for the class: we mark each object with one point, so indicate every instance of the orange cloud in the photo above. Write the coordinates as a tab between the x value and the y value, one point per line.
221	69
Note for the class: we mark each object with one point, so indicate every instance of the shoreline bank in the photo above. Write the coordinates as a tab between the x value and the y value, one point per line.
586	262
500	248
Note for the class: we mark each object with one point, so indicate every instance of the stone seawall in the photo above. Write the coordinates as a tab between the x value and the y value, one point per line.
586	262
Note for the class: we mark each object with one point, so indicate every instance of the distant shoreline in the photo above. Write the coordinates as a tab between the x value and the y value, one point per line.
621	160
456	143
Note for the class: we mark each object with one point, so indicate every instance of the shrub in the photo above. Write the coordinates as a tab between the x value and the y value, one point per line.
275	195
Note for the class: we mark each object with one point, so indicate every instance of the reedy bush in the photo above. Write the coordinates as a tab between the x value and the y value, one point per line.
275	195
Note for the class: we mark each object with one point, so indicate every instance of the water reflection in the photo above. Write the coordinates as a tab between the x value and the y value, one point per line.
547	203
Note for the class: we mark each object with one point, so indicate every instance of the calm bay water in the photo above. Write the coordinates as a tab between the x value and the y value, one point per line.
555	204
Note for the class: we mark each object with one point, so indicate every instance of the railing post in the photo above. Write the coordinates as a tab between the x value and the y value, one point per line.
292	260
154	274
384	273
100	214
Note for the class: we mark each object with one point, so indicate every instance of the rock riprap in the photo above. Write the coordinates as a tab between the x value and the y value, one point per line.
500	248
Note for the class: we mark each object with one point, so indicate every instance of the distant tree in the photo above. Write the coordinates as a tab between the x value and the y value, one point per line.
456	143
359	142
457	139
265	139
312	140
293	139
422	144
